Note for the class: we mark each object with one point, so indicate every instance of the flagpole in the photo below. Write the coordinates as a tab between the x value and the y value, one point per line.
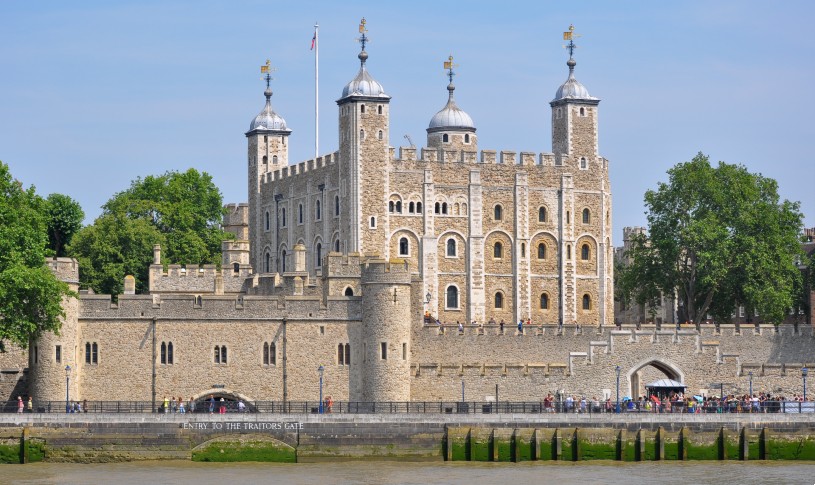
316	91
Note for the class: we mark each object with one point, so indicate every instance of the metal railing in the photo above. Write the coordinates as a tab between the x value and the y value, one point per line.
418	407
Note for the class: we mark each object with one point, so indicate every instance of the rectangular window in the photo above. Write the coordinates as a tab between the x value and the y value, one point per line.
404	351
87	352
384	346
95	354
322	330
58	354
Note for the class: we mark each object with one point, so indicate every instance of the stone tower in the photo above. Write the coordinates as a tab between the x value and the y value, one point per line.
452	128
268	150
575	147
364	153
381	369
51	353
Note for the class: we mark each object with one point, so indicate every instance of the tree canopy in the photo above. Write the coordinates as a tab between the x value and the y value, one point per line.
180	211
30	295
718	238
65	217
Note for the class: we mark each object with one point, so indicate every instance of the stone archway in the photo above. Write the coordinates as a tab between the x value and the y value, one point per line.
634	376
229	396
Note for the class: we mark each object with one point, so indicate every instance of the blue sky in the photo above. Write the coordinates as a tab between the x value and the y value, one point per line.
94	94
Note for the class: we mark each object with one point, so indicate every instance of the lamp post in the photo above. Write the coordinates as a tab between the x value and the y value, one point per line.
617	408
804	372
751	383
67	389
321	369
427	303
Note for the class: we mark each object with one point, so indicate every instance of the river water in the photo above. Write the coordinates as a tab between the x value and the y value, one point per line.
393	473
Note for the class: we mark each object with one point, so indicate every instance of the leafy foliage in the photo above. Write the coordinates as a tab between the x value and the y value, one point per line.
180	211
718	238
65	217
30	295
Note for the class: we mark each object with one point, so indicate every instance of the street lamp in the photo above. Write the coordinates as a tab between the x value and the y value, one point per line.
67	389
321	369
617	370
751	383
427	310
804	372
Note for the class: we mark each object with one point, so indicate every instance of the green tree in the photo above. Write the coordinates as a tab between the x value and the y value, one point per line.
180	211
113	247
65	217
30	295
719	237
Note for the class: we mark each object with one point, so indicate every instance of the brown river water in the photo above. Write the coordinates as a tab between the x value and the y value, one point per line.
393	473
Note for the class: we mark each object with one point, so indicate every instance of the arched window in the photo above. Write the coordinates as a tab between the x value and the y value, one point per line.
381	136
466	138
265	159
499	300
94	353
265	353
169	353
586	216
542	214
340	354
267	260
265	139
499	212
437	208
568	217
274	159
361	134
404	247
362	108
445	138
163	353
283	260
583	164
223	354
283	214
586	302
198	300
379	109
398	206
236	267
336	205
268	221
541	251
349	291
585	252
272	354
337	245
498	250
300	214
582	112
544	301
318	254
318	211
373	222
452	297
391	207
87	352
411	208
451	247
418	207
444	207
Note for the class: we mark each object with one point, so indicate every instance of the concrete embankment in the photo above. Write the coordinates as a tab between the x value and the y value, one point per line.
501	437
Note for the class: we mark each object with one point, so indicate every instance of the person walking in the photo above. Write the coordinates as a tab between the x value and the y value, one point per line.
20	404
30	405
211	404
166	405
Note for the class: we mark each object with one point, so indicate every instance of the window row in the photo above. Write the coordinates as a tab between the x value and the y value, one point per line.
452	300
395	207
318	214
455	209
445	138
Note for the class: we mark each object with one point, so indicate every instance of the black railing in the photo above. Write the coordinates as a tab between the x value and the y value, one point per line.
417	407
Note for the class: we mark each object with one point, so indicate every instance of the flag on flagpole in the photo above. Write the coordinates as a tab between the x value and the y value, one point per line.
313	41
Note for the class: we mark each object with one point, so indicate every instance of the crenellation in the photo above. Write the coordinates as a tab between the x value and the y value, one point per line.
488	156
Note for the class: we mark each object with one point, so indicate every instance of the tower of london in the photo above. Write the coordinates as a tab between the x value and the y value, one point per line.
401	273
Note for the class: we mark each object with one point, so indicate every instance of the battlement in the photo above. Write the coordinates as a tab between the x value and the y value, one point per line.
192	279
629	232
65	269
301	168
504	157
381	271
236	214
342	265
